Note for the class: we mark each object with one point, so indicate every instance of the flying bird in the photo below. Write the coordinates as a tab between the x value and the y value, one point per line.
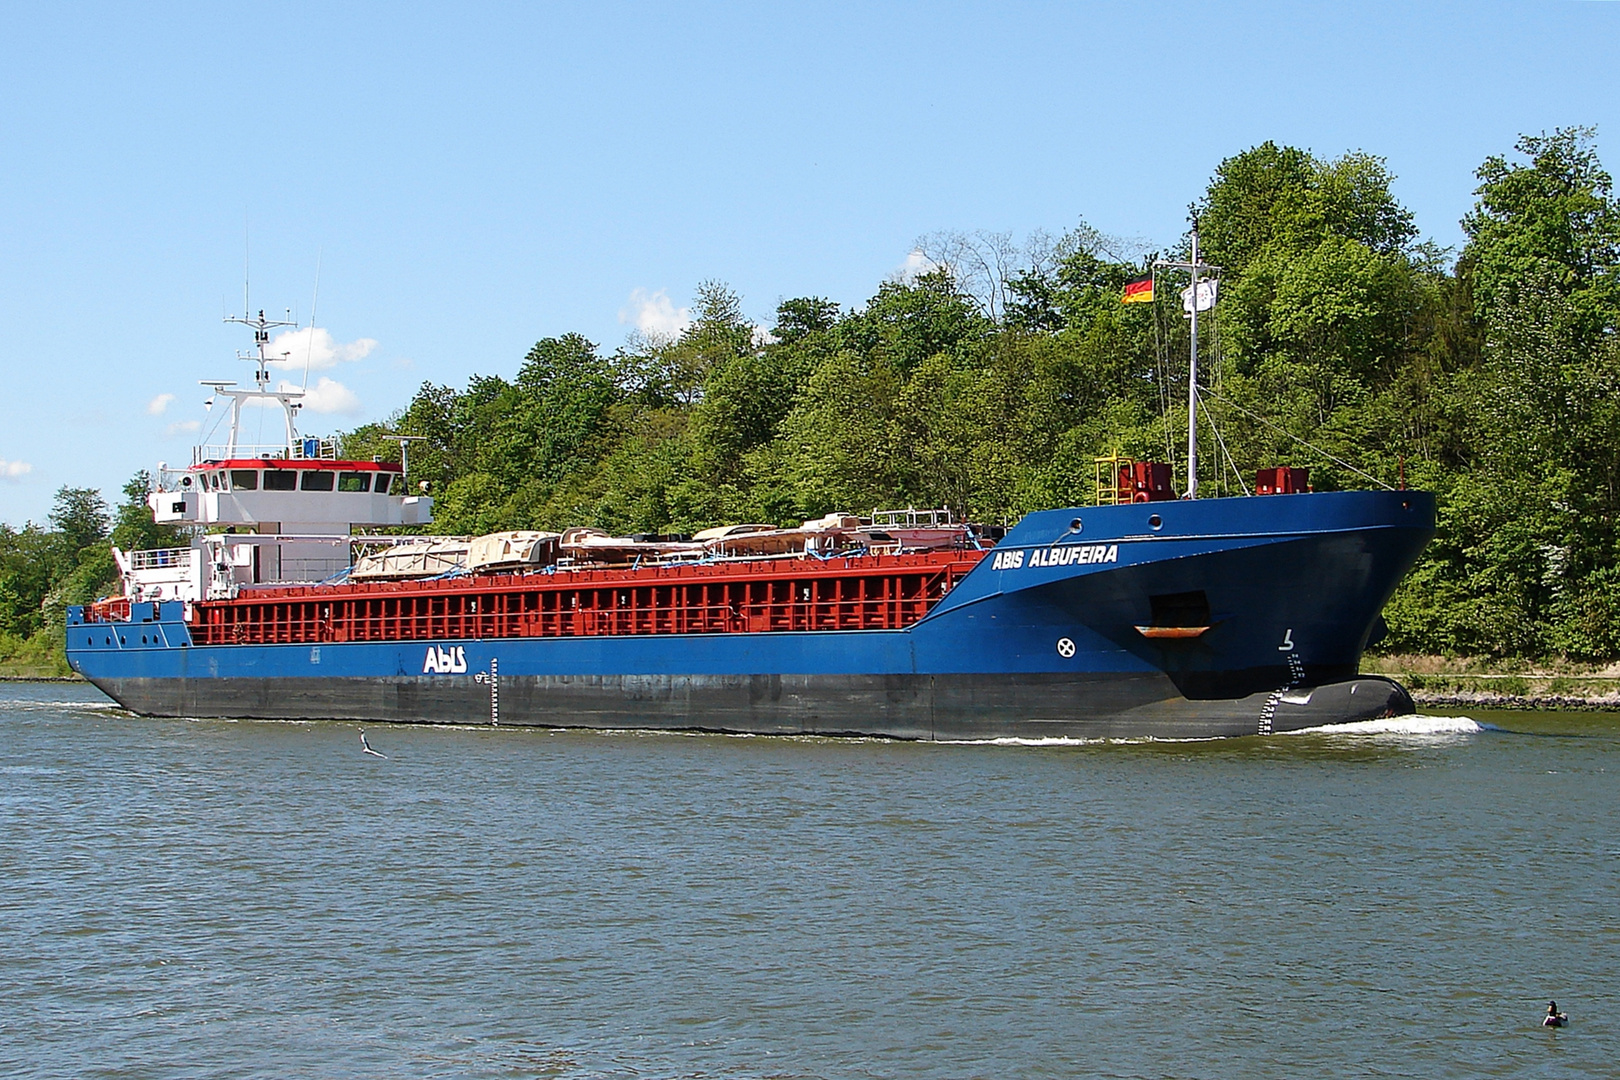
365	747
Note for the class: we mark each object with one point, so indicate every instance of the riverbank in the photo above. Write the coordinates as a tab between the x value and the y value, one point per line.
1462	682
35	658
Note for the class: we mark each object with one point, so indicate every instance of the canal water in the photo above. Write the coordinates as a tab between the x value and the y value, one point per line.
218	899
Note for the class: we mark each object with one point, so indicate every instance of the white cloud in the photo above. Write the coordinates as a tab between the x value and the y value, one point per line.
159	405
763	335
916	265
654	314
14	470
184	427
314	348
327	396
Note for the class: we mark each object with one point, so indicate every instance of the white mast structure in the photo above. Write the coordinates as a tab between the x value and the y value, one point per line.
287	399
1192	371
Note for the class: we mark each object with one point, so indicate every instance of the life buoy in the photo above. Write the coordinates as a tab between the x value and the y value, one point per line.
1141	496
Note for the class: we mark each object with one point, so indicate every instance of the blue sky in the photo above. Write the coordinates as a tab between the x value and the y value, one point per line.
471	178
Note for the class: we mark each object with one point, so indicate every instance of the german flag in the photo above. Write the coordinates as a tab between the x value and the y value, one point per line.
1139	291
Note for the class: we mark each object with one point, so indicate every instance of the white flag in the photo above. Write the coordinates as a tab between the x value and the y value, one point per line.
1207	289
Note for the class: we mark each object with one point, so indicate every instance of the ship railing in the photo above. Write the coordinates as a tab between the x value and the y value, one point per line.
311	449
114	609
316	449
159	558
227	452
912	518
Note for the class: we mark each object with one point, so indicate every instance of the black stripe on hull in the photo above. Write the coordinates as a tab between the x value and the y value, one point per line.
1032	706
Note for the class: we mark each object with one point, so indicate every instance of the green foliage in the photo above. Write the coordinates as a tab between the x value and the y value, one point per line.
43	571
30	558
1274	198
1552	221
15	616
80	517
39	656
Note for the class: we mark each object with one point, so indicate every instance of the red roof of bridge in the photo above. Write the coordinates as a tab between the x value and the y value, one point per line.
297	463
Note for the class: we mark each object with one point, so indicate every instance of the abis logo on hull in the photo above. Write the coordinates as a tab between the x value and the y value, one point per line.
439	661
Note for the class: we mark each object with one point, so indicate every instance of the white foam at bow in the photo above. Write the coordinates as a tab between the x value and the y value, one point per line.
1400	725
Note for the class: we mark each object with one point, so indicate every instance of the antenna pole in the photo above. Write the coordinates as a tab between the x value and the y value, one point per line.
314	307
1192	378
261	360
1197	268
404	452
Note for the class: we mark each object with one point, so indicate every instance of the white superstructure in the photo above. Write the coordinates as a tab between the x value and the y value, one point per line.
265	513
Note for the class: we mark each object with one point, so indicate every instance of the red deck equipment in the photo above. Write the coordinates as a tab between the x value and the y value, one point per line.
1144	481
1282	481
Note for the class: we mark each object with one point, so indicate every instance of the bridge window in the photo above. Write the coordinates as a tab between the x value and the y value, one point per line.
213	481
280	480
354	481
245	479
317	480
381	486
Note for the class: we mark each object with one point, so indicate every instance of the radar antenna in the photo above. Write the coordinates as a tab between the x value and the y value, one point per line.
261	394
261	327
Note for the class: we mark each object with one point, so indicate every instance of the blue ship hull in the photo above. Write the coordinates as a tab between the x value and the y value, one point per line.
1067	630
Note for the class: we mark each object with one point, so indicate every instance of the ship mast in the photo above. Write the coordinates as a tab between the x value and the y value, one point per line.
288	400
1196	268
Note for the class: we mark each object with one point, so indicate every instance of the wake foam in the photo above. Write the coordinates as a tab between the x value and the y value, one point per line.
1054	740
1404	726
59	705
1068	740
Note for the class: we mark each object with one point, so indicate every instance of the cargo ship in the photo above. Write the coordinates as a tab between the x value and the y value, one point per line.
1148	614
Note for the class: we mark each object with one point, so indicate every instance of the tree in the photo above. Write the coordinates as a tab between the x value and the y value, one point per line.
80	516
905	324
566	391
15	614
1551	219
798	319
1272	197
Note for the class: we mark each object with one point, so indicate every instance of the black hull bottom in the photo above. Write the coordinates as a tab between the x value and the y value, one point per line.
891	706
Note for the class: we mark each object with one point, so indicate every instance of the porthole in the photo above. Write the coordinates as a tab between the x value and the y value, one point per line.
1155	521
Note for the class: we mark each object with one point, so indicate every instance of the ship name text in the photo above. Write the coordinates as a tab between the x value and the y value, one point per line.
1067	555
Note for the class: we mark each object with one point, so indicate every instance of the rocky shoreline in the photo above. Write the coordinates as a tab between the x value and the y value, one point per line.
1485	699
